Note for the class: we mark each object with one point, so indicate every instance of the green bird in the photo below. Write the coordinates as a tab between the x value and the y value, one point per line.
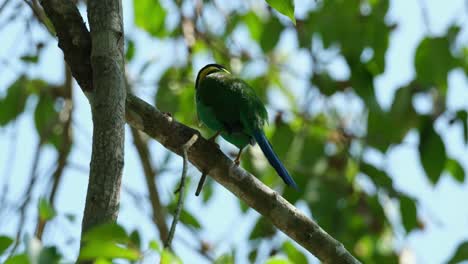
229	106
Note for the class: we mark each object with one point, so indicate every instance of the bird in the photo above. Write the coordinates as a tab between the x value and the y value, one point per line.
230	107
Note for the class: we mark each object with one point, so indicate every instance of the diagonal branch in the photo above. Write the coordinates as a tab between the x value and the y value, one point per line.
172	135
204	155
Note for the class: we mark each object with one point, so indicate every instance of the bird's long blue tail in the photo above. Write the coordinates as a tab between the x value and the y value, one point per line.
273	159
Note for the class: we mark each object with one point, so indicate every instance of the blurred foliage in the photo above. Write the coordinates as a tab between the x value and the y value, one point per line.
461	254
102	244
323	147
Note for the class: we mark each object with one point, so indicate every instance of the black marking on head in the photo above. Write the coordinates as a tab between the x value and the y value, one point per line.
207	70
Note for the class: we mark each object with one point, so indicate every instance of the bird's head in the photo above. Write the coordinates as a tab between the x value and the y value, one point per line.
207	70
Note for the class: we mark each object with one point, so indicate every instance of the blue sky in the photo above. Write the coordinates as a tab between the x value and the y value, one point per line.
441	207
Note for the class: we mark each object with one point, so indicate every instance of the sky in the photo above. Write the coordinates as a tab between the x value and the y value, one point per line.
440	207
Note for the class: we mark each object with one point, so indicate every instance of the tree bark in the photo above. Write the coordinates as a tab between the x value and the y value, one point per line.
108	110
207	157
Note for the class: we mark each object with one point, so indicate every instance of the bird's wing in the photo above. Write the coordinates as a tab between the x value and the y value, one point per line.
233	102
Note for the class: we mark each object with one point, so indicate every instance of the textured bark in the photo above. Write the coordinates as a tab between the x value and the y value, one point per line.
74	38
108	111
207	157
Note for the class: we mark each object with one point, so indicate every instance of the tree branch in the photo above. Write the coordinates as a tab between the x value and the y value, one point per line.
206	157
74	39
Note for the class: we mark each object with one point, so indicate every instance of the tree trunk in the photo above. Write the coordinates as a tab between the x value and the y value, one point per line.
108	110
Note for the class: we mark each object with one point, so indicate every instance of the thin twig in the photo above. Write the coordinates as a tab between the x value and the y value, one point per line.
3	5
40	15
159	214
425	16
180	202
27	195
65	147
9	165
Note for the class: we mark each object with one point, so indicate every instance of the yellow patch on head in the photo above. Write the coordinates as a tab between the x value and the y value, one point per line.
209	69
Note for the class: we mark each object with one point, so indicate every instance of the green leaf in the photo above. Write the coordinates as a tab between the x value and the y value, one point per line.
14	102
254	24
150	16
110	232
364	247
281	140
454	168
461	254
313	146
169	90
107	249
403	116
70	217
5	243
270	34
253	255
324	82
433	61
49	255
46	211
154	245
285	7
294	255
18	259
379	177
278	260
130	53
225	259
431	152
102	261
168	258
186	217
189	220
462	116
46	119
408	213
135	239
30	58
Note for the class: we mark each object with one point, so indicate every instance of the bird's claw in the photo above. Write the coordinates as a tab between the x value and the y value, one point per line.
168	115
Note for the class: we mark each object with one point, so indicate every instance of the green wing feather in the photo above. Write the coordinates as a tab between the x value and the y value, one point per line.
230	105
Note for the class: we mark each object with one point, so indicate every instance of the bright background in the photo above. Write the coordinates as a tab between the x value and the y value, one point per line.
442	207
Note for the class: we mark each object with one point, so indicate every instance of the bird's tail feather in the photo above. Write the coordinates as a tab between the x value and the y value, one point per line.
273	159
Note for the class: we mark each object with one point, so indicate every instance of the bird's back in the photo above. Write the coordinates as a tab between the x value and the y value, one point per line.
233	101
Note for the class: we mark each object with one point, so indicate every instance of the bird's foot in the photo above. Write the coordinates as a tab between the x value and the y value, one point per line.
168	115
237	160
